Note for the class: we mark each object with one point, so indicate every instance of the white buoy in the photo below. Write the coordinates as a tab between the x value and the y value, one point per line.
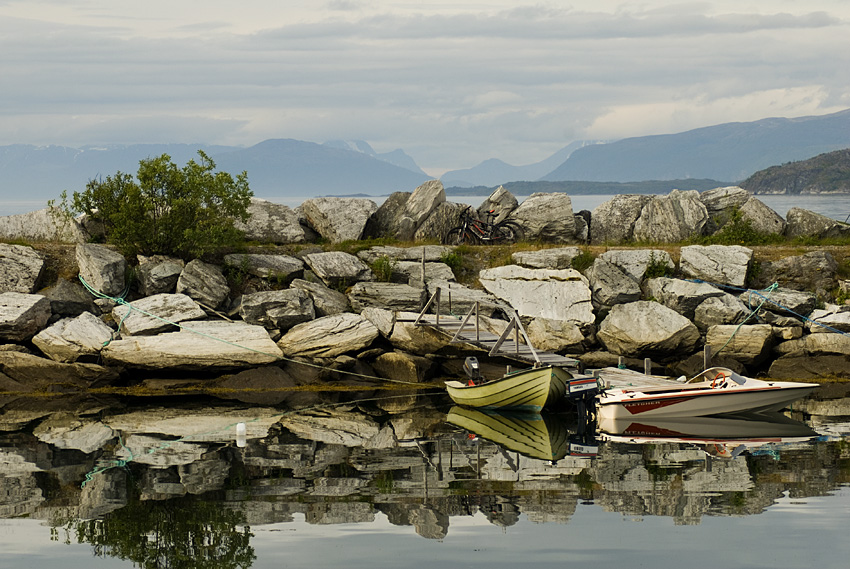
241	435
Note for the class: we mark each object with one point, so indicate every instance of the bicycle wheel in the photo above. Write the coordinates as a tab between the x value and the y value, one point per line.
459	236
507	232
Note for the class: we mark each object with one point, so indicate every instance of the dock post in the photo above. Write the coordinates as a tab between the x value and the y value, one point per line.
621	363
423	266
477	325
706	357
647	366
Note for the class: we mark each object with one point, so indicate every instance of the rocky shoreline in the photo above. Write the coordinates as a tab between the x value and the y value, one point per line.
314	315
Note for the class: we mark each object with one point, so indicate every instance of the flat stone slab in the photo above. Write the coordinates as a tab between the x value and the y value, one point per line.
199	346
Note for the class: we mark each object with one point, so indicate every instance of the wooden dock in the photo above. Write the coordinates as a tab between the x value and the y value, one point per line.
468	330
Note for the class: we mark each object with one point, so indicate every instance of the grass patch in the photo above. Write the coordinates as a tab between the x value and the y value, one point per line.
583	261
383	268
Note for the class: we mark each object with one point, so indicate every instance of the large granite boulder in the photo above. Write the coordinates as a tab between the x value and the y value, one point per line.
329	336
418	207
546	217
279	268
158	274
200	346
671	218
69	299
831	343
384	222
829	319
501	203
338	269
815	271
22	316
74	339
750	344
721	202
391	296
46	375
645	329
444	218
20	268
271	223
781	301
637	262
554	335
805	223
155	314
430	253
326	301
102	268
720	264
49	224
725	309
338	219
277	309
679	295
610	285
458	299
614	220
805	368
542	293
401	366
551	258
411	272
762	218
203	283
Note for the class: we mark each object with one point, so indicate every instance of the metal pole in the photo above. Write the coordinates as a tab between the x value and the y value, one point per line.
647	366
706	357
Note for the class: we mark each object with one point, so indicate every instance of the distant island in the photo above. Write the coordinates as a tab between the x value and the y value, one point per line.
592	188
827	173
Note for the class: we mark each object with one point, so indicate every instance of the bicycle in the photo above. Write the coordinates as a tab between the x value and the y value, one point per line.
474	231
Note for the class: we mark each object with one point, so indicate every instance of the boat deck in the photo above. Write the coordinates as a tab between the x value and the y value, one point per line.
484	339
616	378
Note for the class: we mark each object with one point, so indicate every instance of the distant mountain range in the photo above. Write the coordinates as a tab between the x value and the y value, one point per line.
297	169
824	174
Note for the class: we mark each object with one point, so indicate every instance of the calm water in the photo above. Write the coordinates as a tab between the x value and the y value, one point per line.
406	481
836	207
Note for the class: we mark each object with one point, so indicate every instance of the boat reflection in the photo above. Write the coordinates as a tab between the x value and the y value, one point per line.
721	436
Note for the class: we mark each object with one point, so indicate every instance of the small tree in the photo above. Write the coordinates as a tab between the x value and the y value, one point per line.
185	212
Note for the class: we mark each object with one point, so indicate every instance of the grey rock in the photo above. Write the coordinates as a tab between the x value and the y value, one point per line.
458	299
412	272
671	218
70	432
277	309
431	253
803	367
554	335
22	316
829	320
636	262
332	426
325	300
420	340
725	309
815	345
646	328
722	264
749	344
610	285
329	336
281	268
102	268
47	375
203	283
780	301
679	295
815	271
73	339
201	346
553	258
384	222
338	269
401	366
155	314
443	219
419	206
719	202
338	219
158	274
391	296
614	220
20	268
384	320
762	218
501	202
546	217
802	222
271	223
69	299
542	293
43	225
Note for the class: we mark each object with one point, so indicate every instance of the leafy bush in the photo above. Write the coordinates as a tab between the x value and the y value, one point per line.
383	268
582	261
657	267
184	212
740	231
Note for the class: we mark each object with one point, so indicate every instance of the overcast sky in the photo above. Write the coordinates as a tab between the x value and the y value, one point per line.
451	83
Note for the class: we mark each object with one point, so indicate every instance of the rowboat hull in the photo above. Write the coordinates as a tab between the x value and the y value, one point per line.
726	393
525	390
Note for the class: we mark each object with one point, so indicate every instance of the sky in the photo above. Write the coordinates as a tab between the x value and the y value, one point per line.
450	83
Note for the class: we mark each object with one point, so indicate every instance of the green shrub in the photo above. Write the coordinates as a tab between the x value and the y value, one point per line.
383	268
657	267
740	231
184	212
582	261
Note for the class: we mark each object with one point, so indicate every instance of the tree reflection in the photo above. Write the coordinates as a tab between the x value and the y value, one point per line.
181	533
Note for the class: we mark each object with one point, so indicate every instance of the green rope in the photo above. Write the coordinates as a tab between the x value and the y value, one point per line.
769	290
120	300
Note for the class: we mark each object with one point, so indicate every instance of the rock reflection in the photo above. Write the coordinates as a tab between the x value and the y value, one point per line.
141	483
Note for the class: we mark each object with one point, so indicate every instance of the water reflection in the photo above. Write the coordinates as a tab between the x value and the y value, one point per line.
167	486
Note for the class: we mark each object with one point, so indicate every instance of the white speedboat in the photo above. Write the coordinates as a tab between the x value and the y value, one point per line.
715	391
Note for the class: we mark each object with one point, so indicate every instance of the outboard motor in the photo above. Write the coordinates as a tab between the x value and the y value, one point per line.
472	369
